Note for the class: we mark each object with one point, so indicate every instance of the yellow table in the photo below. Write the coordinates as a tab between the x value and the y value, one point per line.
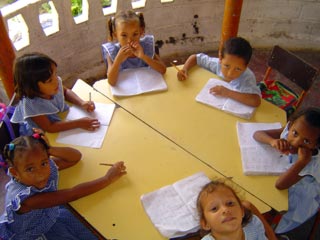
152	162
207	133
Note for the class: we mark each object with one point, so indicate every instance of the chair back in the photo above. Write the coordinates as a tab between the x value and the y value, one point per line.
292	67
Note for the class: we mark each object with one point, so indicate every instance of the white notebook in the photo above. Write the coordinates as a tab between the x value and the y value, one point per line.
172	209
258	158
137	81
81	137
225	104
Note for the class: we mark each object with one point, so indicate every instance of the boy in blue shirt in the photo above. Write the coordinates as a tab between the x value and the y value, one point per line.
232	67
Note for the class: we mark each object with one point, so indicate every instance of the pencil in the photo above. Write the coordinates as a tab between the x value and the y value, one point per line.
106	164
179	70
90	96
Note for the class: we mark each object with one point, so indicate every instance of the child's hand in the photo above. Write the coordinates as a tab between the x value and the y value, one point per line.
281	144
116	171
88	106
182	75
124	53
220	91
137	49
89	124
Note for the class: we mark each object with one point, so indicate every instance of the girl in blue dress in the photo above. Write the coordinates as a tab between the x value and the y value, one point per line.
224	216
299	140
33	204
42	96
133	49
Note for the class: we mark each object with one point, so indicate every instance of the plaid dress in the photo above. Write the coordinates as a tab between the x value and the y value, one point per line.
32	107
254	230
48	223
111	49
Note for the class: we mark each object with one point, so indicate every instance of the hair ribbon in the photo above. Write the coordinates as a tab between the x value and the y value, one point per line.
11	146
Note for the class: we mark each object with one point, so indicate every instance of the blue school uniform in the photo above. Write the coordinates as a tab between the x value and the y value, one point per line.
304	196
32	107
48	223
245	83
254	230
111	49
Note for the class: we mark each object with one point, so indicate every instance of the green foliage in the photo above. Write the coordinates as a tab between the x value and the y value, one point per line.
76	7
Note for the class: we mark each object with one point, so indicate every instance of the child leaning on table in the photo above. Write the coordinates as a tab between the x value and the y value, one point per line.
133	49
42	96
300	140
33	204
224	216
232	67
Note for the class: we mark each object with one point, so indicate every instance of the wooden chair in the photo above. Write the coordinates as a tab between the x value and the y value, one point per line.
294	69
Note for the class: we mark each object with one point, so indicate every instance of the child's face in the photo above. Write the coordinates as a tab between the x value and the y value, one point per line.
127	32
51	86
232	67
222	212
32	168
301	134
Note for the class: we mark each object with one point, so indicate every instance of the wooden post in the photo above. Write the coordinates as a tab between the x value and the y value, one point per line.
231	19
7	56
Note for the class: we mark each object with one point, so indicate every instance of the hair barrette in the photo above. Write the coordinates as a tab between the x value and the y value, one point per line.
11	146
37	135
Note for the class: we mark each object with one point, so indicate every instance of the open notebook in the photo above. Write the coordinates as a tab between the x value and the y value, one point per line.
172	209
258	158
81	137
137	81
226	104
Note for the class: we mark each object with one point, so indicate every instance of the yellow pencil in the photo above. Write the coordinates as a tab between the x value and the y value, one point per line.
106	164
179	70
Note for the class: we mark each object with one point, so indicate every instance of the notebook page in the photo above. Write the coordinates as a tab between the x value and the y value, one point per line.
258	158
206	97
127	84
137	81
82	137
168	207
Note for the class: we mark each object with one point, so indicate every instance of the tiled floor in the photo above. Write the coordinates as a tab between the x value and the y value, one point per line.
257	65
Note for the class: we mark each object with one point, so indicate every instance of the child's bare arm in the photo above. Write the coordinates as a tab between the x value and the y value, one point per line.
291	176
268	230
86	123
190	62
51	199
64	157
114	66
73	98
272	137
155	63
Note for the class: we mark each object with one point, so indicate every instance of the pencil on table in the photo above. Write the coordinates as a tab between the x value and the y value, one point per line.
106	164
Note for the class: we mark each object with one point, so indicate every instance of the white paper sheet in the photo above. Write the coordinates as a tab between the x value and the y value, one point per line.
81	137
228	105
258	158
137	81
172	209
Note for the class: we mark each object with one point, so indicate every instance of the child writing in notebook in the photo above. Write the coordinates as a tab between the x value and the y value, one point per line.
300	140
42	96
224	216
33	204
232	67
133	49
